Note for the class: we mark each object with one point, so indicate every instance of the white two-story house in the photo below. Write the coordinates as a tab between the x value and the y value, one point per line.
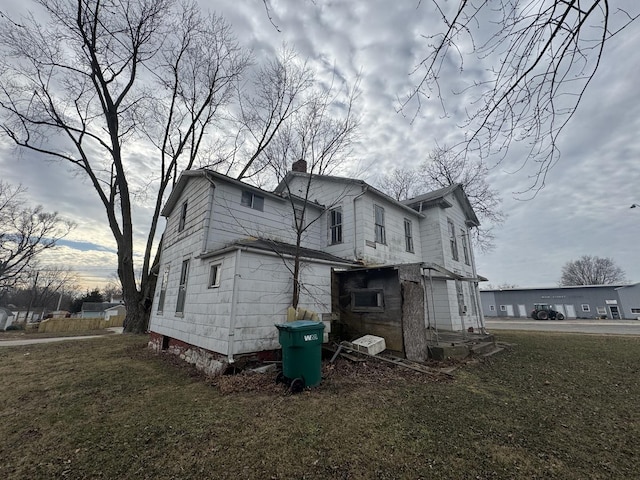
228	253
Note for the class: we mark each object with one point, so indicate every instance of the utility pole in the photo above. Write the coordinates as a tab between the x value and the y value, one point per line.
33	295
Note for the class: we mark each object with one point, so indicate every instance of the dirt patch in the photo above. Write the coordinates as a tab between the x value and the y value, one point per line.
342	374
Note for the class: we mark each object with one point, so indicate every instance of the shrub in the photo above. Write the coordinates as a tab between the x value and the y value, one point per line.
14	326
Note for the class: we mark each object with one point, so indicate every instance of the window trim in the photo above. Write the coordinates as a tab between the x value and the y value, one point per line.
214	282
492	308
335	229
503	308
251	202
408	235
379	228
585	307
635	310
182	287
379	307
601	310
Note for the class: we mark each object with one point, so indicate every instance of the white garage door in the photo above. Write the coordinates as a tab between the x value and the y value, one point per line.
571	311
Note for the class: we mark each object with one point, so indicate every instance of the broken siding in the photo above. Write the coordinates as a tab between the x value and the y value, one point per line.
387	323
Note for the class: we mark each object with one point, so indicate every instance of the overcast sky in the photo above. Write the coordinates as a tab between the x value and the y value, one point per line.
584	208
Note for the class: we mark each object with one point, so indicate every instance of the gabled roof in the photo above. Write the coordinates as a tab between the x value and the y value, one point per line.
282	187
280	249
439	198
213	178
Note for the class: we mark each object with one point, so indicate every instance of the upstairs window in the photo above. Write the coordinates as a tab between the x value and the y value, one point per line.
465	246
335	225
251	200
183	217
379	224
182	289
298	219
408	235
453	242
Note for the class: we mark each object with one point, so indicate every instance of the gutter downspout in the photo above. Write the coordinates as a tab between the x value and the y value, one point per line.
234	306
355	223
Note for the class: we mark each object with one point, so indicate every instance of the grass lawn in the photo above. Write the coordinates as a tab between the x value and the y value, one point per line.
553	406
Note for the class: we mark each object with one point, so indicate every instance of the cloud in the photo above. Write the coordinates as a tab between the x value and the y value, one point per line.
582	210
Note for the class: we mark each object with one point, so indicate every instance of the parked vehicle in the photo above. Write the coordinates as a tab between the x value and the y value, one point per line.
543	311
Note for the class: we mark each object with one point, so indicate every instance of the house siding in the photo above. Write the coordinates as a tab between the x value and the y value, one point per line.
232	221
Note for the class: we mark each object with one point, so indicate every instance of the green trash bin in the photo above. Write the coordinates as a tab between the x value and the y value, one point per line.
301	353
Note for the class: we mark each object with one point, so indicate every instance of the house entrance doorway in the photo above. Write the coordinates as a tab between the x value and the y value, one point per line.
615	313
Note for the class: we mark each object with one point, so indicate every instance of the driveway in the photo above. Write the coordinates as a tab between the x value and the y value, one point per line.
35	341
612	327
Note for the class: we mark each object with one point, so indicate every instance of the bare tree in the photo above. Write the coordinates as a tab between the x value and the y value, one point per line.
320	136
25	233
401	183
441	169
591	270
277	92
101	76
539	57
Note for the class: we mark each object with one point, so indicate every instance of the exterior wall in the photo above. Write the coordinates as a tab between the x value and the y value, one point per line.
232	221
394	250
456	215
592	297
358	231
444	309
629	297
197	194
264	290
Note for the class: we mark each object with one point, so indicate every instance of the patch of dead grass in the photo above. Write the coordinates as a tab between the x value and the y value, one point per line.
554	406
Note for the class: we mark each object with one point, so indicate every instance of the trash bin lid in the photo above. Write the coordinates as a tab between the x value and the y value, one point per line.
299	325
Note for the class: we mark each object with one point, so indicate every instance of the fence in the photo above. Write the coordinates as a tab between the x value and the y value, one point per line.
55	325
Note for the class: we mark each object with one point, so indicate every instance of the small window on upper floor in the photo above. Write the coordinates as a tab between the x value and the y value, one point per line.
335	226
183	217
251	200
298	219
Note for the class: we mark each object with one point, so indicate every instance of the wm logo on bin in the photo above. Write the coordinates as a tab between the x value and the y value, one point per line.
311	337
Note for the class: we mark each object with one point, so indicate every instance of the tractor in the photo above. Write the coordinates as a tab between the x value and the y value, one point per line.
543	311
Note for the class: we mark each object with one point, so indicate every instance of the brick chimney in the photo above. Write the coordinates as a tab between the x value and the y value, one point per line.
299	166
